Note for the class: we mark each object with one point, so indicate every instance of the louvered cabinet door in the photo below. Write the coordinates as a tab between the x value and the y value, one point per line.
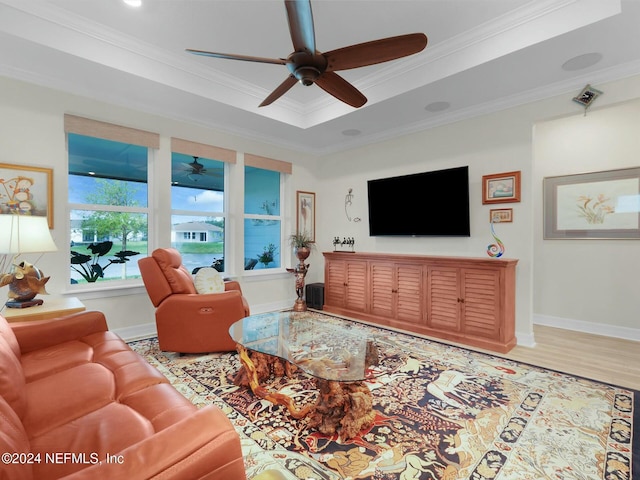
481	312
335	283
356	286
382	286
443	304
409	290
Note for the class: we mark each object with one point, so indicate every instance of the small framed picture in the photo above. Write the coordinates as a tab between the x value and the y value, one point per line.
501	188
501	215
26	191
306	214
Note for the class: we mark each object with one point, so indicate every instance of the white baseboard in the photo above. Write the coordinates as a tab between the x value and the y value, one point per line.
136	332
588	327
526	339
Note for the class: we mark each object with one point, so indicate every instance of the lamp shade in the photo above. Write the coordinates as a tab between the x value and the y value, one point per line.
25	234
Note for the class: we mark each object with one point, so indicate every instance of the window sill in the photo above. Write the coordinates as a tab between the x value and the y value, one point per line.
260	275
101	290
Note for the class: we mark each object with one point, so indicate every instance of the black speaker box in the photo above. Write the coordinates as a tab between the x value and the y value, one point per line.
314	295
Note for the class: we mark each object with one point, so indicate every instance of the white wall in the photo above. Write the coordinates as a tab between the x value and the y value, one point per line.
31	133
590	285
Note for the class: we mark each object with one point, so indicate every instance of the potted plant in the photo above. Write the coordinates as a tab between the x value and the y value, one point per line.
266	257
301	243
89	265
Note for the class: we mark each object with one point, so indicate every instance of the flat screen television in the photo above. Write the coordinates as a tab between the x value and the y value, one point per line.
432	203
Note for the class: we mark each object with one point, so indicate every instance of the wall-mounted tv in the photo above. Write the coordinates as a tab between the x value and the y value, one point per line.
432	203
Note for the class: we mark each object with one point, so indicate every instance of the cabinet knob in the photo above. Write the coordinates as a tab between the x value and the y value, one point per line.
461	300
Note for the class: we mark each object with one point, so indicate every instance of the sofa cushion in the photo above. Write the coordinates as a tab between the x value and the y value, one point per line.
7	333
208	280
41	363
162	404
131	373
46	361
109	429
12	383
13	439
64	396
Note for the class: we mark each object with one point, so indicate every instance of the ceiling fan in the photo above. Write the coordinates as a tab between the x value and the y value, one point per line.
308	66
195	170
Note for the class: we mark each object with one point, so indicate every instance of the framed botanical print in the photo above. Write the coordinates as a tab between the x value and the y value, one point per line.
306	214
597	205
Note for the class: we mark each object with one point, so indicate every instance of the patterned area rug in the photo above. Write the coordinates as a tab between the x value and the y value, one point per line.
442	413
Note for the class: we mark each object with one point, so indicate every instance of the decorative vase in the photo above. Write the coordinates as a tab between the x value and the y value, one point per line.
302	253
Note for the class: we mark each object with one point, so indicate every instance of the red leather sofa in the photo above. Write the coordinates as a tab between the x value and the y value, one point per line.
77	403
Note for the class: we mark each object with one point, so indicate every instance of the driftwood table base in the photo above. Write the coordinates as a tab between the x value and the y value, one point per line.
342	407
257	367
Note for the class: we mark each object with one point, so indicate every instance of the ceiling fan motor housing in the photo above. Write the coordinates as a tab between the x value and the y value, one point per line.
306	67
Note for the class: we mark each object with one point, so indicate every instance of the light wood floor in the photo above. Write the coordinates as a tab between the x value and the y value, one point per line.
607	359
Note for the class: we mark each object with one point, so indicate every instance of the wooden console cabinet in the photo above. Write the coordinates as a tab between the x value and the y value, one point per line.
465	300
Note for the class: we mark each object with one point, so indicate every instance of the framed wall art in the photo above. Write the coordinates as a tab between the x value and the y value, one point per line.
26	191
306	214
501	215
501	188
598	205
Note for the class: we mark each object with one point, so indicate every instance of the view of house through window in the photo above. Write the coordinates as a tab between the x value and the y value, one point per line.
263	221
197	204
108	208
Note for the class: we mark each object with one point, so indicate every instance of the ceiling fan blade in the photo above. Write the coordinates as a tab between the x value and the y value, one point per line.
281	90
376	51
337	86
231	56
301	25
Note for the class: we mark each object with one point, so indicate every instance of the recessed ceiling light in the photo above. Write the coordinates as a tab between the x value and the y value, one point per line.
437	106
351	132
582	61
133	3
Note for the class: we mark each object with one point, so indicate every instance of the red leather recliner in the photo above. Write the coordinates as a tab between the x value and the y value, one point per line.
189	322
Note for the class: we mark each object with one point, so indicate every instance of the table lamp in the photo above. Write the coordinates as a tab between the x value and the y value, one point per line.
24	234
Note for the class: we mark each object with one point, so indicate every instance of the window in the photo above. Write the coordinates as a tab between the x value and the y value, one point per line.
108	208
198	214
263	220
108	201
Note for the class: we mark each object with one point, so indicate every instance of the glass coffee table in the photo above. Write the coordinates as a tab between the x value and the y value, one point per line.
340	358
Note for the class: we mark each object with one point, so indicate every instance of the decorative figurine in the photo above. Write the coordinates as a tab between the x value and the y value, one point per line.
25	282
